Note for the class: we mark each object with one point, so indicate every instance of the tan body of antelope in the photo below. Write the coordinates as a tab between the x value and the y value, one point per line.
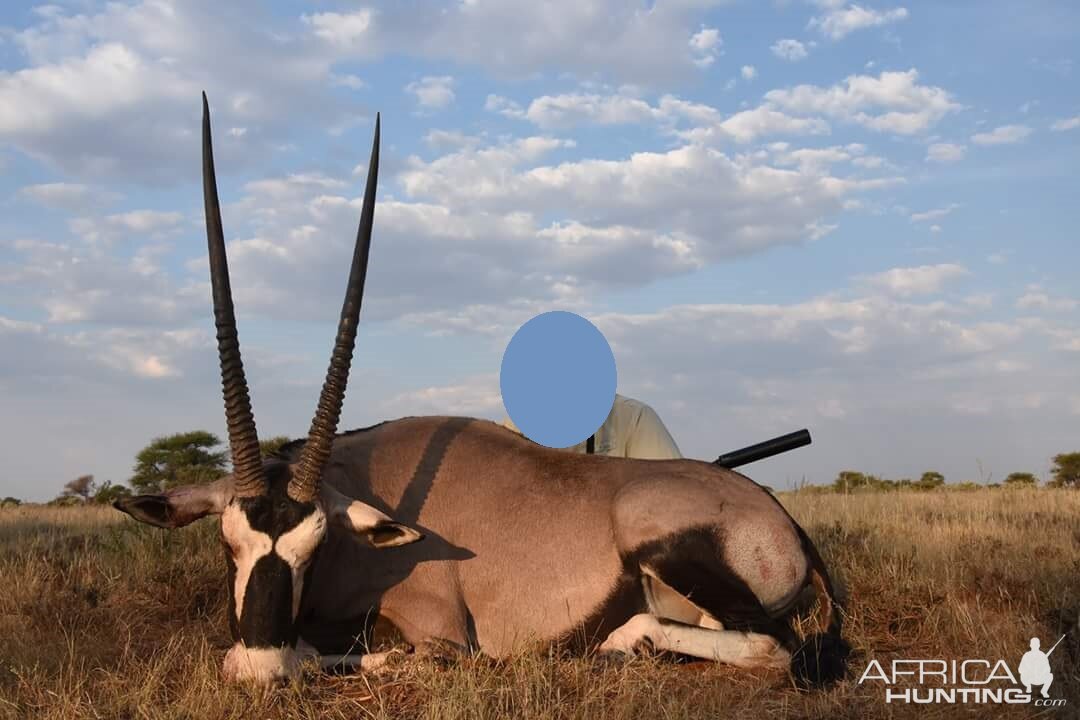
458	532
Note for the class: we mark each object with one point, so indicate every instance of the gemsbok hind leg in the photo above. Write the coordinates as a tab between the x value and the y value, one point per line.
699	604
741	649
676	624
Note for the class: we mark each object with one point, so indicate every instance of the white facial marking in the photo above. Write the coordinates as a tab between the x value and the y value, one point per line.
296	548
248	545
261	665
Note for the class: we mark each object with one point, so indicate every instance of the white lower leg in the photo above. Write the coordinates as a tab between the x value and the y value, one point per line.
742	649
366	662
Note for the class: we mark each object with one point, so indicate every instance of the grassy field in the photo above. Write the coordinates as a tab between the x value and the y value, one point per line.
103	618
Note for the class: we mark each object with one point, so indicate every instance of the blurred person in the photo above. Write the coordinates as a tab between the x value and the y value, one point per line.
632	429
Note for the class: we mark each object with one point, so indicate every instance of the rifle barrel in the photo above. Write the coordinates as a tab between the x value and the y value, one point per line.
763	450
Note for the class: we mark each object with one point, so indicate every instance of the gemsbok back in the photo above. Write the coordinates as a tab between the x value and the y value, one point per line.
456	532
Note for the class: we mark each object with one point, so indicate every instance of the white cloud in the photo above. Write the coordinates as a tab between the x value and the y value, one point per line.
432	92
345	31
503	106
909	281
83	283
525	229
613	108
477	396
68	196
839	20
706	124
705	46
144	224
748	72
610	37
1003	135
1066	124
115	93
1037	300
789	49
352	82
892	102
444	140
555	111
816	159
749	125
935	214
945	152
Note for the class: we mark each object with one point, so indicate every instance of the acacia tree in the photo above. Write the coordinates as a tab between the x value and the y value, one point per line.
107	492
180	459
930	480
270	446
1021	479
81	487
1066	470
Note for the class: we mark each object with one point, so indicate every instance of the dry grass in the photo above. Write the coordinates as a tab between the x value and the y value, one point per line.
103	618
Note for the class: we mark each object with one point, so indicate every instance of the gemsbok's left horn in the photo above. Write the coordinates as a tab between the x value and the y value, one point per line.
305	480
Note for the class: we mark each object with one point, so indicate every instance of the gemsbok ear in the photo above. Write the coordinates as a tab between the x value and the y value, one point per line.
374	527
178	506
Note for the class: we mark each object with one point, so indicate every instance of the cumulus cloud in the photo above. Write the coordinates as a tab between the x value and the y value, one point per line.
909	281
945	152
350	32
705	46
1066	124
749	125
748	72
789	49
87	284
68	196
892	102
1036	299
432	92
1003	135
477	396
689	121
527	230
622	40
839	19
567	110
145	224
115	93
935	214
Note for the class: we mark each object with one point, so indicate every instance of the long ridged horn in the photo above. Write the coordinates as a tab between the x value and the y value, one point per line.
243	440
304	483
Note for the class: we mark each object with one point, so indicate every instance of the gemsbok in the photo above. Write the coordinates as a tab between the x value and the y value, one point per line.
457	533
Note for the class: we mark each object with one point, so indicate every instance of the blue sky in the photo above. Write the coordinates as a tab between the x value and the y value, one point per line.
855	217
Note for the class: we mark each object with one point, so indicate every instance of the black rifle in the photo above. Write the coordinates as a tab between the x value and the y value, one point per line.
764	450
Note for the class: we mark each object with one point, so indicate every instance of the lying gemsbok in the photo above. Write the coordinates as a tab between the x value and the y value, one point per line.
508	542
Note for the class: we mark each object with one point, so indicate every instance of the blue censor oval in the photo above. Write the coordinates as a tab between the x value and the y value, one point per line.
558	379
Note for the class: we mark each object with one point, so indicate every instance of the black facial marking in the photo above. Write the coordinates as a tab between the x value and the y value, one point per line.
266	617
234	626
